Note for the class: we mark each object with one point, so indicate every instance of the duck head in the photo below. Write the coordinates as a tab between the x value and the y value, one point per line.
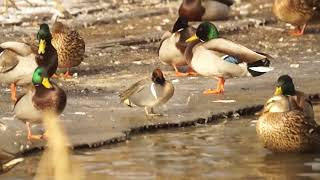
40	78
44	36
157	77
285	86
181	23
206	31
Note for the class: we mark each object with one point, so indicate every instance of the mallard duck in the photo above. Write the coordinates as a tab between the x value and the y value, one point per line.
281	128
205	10
149	93
173	45
295	12
212	56
41	97
285	86
69	45
19	60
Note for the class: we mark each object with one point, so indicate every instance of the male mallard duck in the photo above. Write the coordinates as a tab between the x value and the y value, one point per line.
286	87
19	60
41	97
69	45
208	10
216	57
173	45
149	93
295	12
283	129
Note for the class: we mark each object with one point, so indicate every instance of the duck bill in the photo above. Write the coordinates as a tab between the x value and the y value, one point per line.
46	83
278	91
192	38
42	46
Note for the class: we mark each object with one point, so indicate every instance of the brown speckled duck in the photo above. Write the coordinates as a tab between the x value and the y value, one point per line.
296	12
281	128
173	45
285	86
205	10
42	96
149	93
69	45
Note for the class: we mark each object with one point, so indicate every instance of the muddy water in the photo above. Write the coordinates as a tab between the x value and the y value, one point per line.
229	150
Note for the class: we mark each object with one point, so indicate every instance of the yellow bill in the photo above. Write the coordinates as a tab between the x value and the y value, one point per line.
42	46
46	83
278	91
192	38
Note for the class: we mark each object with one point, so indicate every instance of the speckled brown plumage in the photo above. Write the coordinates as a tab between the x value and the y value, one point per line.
282	128
69	45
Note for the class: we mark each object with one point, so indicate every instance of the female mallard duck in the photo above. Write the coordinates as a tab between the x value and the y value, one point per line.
208	10
69	45
43	96
216	57
286	87
19	60
296	12
283	129
149	93
173	45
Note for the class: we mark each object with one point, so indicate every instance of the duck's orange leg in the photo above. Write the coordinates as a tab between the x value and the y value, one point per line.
298	31
13	88
191	72
178	73
67	75
34	137
218	90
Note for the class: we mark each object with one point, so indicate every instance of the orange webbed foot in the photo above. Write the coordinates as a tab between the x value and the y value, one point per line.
213	91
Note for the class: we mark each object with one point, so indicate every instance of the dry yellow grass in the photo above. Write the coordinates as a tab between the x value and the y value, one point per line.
56	162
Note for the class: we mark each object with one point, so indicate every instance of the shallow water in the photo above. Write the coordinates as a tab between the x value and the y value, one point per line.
226	151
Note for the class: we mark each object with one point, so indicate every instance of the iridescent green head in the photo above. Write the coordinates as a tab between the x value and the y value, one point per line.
285	86
206	31
44	36
40	78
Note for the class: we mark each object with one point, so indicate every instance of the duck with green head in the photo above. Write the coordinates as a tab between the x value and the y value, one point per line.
173	45
212	56
205	10
286	87
43	96
19	60
283	128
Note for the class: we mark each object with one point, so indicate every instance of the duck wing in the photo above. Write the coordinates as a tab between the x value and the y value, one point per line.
21	49
135	88
227	47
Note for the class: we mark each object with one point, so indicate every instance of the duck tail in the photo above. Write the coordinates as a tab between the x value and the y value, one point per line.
259	67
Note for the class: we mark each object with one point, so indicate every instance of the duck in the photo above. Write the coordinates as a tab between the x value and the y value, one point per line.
173	45
149	93
42	96
205	10
282	128
212	56
286	87
70	46
18	60
296	12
